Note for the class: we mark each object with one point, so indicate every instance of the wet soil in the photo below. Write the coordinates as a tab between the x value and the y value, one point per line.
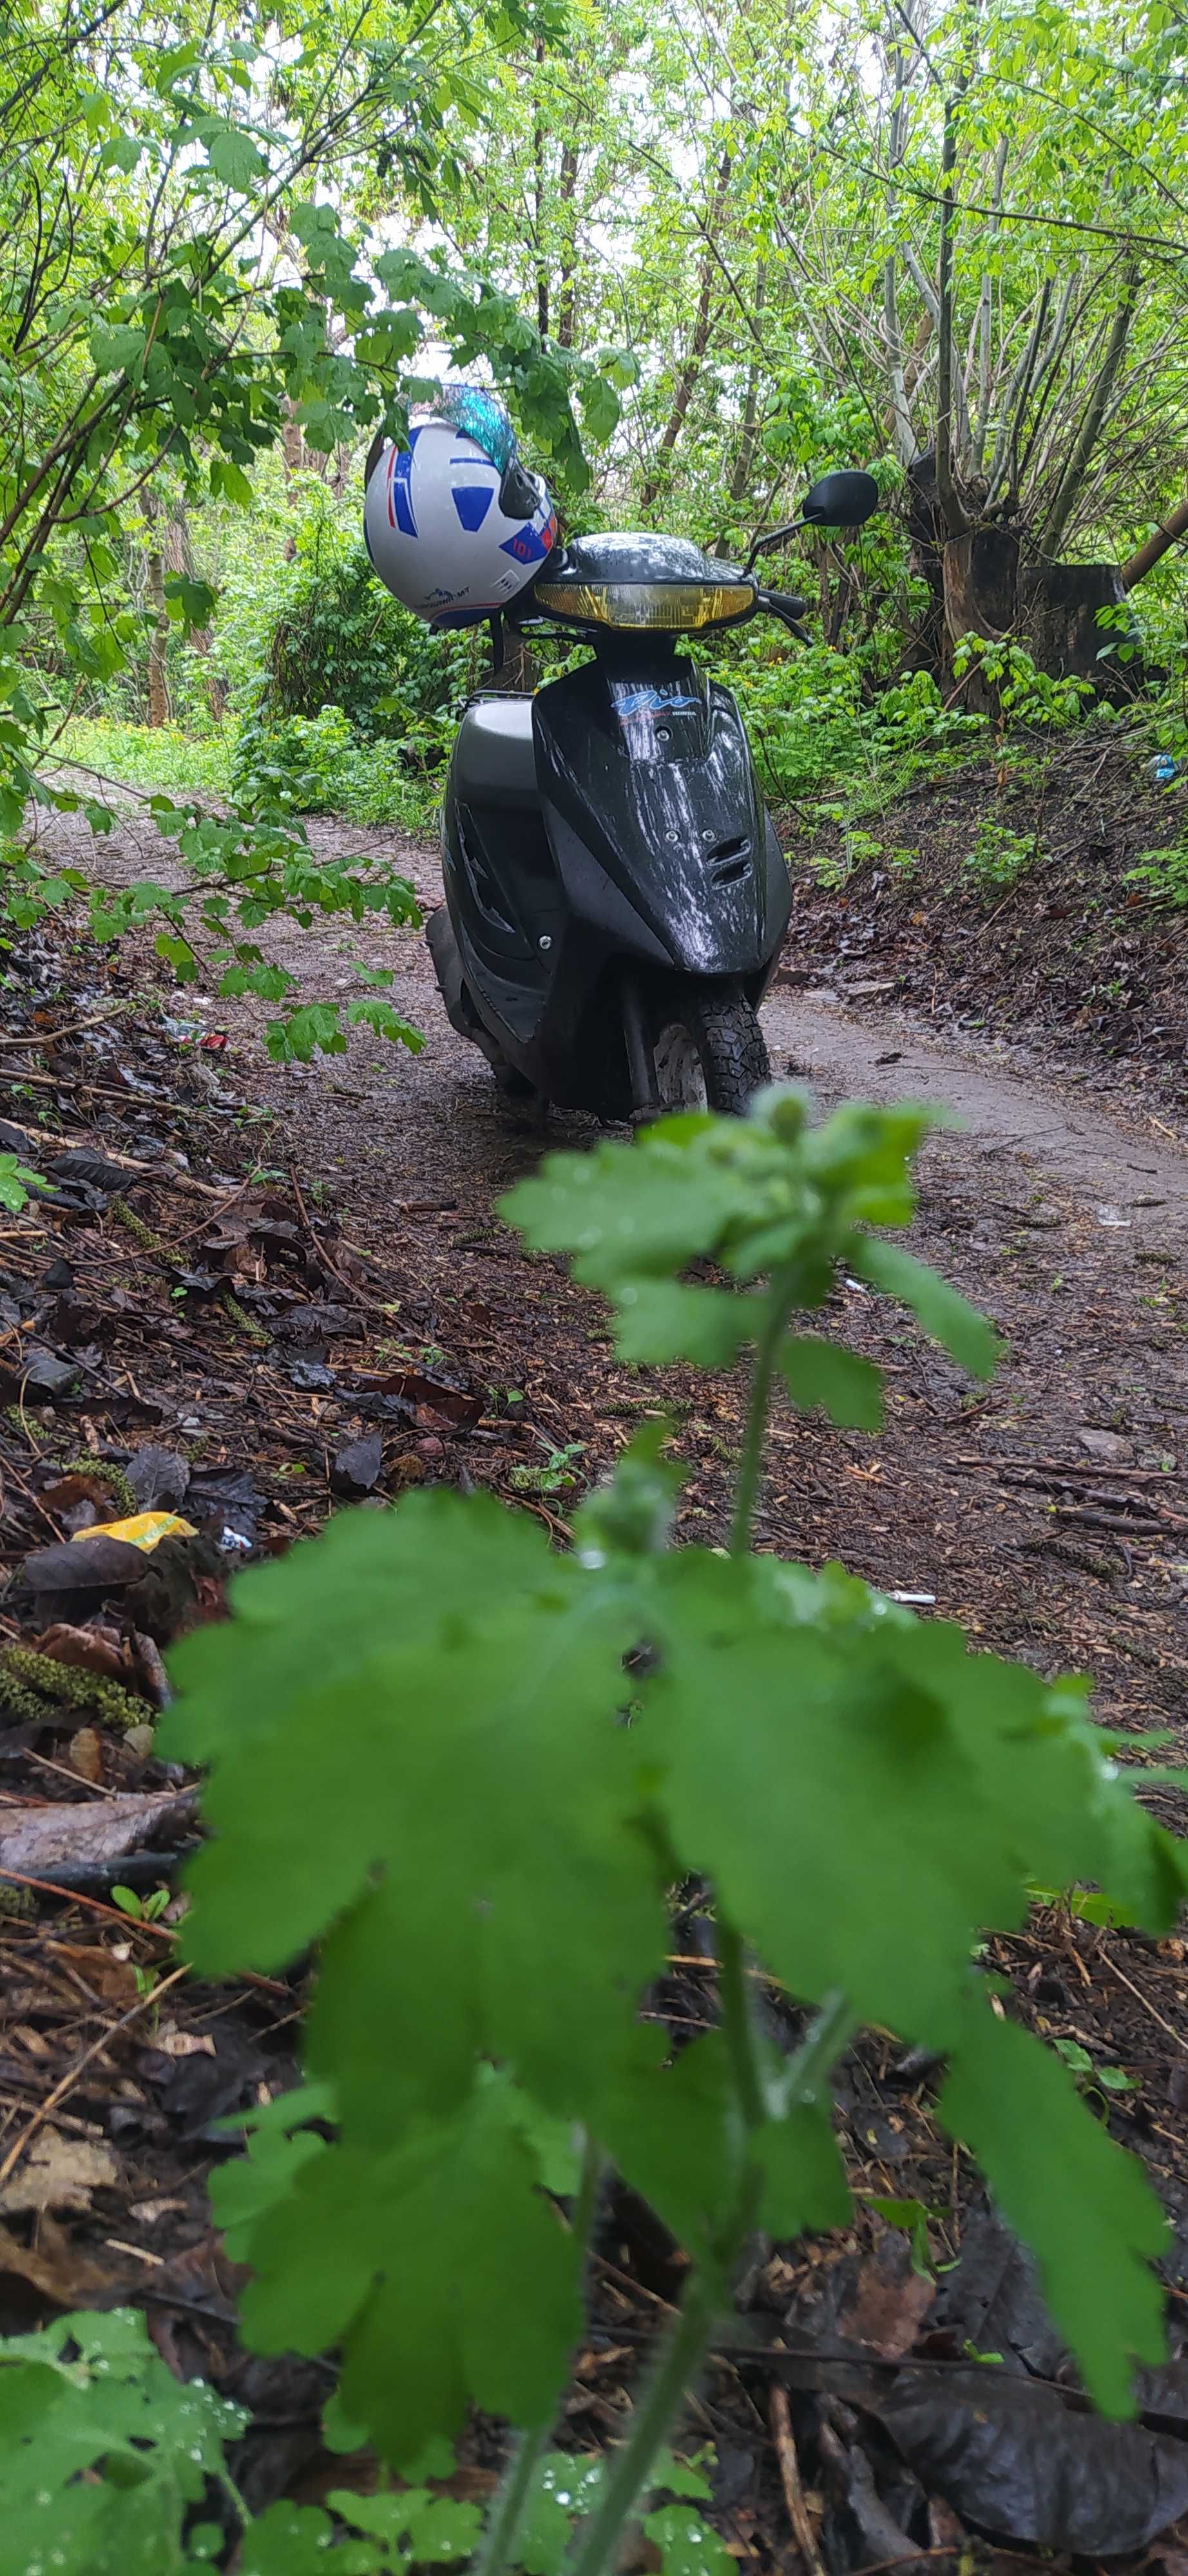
1049	1513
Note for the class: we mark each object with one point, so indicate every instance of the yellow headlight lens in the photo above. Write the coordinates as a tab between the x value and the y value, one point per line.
677	607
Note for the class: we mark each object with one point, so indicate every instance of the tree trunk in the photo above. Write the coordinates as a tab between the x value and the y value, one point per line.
748	437
983	583
565	299
698	345
158	687
1167	534
946	486
1058	605
1086	439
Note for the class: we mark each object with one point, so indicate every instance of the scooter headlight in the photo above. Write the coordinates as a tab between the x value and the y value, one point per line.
674	607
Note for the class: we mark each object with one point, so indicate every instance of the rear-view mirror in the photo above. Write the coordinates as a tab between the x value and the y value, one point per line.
840	500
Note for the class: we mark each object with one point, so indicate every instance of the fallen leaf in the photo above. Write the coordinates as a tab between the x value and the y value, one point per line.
358	1465
87	1650
106	1971
56	2268
158	1477
84	1565
85	1754
59	2173
184	2043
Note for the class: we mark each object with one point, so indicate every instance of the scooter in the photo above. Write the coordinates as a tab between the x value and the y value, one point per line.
616	897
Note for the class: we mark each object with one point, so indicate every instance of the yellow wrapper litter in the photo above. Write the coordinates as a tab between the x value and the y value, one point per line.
144	1530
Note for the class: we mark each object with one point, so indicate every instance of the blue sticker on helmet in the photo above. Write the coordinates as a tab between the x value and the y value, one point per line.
529	545
472	502
400	508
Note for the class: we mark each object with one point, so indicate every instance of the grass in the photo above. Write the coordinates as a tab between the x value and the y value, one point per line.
151	755
364	784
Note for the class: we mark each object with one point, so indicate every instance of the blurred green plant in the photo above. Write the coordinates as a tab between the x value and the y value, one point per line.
861	1794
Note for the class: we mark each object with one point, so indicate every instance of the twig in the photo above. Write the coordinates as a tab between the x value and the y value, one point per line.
70	2079
320	1249
27	1490
72	1029
94	1904
212	1216
1120	1973
780	2418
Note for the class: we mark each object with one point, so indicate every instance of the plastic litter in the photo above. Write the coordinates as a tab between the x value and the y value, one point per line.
145	1529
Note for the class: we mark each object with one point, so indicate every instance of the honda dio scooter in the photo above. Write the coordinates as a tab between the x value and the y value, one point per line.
616	897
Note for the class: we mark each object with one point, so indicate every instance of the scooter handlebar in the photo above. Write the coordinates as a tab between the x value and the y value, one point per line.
785	605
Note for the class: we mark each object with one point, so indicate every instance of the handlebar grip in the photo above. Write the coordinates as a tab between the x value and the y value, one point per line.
785	603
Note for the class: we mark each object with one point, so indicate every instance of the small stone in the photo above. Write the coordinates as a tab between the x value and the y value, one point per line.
1108	1446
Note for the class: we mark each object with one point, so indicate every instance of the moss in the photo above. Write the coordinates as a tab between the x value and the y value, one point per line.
104	1474
24	1674
140	1232
247	1323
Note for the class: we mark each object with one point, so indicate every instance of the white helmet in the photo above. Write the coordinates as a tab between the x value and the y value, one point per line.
452	523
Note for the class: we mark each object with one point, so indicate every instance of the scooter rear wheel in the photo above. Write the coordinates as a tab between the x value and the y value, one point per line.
711	1055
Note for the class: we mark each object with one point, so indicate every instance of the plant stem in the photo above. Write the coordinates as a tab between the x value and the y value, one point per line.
503	2530
809	2066
738	2026
632	2471
750	1462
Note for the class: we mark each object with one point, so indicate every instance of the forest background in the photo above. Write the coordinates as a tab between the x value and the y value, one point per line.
706	253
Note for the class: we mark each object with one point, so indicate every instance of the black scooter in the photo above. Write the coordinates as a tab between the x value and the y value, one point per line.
615	894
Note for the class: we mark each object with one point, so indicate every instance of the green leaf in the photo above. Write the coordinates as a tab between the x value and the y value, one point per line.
232	155
849	1389
946	1317
103	2455
429	2531
374	1013
293	1040
16	1180
293	2539
449	2278
660	1320
400	1654
190	603
673	2132
117	348
565	2489
844	1749
1081	2203
688	2544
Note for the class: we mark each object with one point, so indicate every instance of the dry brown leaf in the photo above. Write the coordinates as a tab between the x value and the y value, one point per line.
107	1972
85	1754
59	2173
56	2268
185	2043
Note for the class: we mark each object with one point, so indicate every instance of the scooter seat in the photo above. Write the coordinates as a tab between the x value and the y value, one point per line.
494	759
